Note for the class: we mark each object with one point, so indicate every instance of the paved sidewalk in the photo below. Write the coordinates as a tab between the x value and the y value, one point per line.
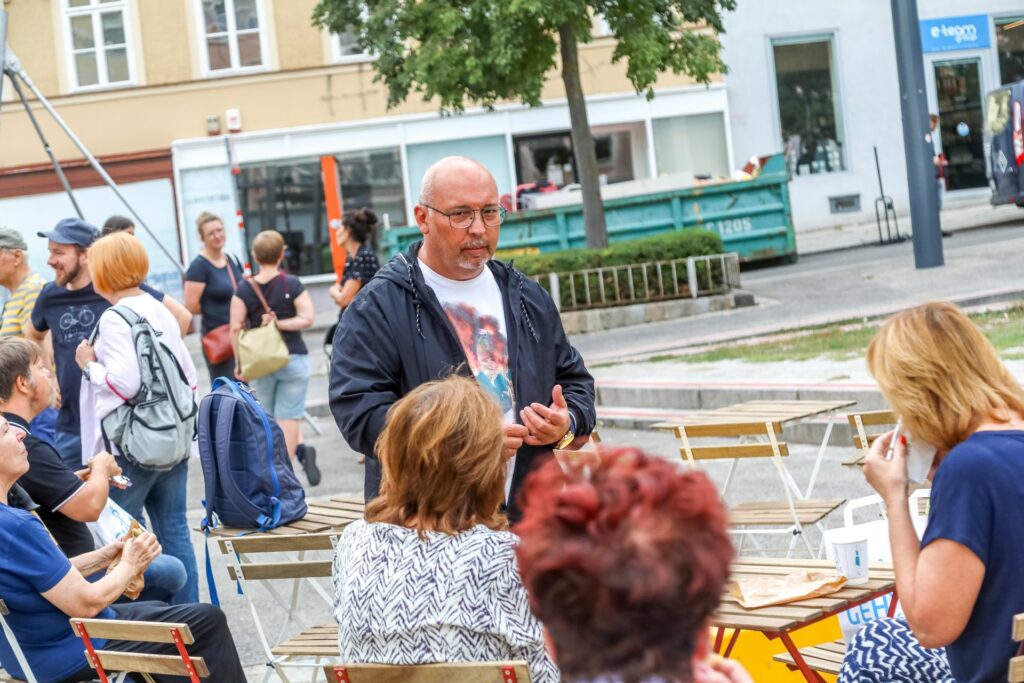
969	214
981	265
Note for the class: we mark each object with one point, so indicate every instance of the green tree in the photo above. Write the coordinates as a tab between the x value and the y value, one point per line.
485	51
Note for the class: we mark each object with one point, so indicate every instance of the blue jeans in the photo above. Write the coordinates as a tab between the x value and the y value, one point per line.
283	393
164	577
163	496
69	448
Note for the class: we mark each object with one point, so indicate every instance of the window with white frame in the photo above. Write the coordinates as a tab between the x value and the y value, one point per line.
346	48
232	38
97	33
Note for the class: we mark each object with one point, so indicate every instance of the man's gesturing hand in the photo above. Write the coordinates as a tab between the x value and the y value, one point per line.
547	424
514	435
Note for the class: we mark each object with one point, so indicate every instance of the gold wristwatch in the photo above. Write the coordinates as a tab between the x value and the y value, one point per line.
569	437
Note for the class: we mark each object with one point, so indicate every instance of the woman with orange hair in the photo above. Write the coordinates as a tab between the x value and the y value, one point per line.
624	557
111	375
430	575
962	417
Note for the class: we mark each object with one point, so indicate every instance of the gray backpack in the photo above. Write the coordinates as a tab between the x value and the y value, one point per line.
155	428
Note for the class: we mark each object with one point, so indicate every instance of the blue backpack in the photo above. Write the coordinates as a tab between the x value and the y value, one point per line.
249	478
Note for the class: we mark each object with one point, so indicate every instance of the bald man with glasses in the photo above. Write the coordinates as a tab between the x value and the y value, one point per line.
446	305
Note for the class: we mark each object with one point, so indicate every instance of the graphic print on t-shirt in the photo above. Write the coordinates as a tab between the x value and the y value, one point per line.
486	350
76	323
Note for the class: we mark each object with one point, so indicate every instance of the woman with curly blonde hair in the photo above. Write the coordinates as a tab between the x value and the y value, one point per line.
962	416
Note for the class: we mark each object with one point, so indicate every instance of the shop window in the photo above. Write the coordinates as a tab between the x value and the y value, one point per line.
549	157
809	107
1010	46
692	144
97	42
288	196
232	37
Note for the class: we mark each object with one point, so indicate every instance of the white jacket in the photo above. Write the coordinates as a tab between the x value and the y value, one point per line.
115	376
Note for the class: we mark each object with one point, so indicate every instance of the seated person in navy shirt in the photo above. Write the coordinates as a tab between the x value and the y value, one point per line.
962	415
43	588
66	500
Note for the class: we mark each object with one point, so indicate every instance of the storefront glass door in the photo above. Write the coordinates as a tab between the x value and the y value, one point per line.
958	90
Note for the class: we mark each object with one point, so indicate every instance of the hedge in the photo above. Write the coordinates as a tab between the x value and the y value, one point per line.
667	247
649	285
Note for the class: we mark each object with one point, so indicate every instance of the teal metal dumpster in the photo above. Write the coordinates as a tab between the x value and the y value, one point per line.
752	216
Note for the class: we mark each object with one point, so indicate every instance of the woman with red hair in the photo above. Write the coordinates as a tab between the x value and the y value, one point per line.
624	558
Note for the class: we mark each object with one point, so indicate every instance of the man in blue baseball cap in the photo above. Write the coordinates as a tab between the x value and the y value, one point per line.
69	308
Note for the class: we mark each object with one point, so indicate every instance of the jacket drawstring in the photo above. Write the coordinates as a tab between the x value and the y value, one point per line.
522	306
415	295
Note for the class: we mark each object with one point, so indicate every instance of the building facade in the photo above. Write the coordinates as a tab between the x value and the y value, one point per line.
817	80
171	94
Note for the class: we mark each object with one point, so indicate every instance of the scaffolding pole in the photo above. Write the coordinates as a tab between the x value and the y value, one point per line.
13	69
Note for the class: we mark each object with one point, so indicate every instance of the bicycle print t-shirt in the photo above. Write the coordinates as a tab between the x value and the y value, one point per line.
70	315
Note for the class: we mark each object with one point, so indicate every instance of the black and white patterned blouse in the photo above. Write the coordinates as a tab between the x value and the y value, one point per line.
363	266
400	600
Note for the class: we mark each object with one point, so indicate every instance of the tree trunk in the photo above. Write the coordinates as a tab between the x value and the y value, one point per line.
582	141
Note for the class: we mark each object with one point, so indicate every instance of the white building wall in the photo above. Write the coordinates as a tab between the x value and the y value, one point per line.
868	89
868	98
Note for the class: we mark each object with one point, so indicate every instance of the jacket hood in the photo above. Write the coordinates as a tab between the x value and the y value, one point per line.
404	271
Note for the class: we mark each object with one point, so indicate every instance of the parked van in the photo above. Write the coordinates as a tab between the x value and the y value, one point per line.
1004	143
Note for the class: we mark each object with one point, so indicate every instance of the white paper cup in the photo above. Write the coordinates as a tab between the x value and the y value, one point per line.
850	551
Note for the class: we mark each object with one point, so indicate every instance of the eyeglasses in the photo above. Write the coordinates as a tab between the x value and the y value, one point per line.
462	219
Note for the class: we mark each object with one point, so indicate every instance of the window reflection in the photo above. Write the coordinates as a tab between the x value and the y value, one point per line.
288	196
808	106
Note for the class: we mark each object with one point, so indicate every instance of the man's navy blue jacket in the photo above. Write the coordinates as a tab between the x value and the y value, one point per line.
395	336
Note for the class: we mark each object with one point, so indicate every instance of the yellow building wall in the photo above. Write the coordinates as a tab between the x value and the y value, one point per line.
166	49
172	105
299	43
31	35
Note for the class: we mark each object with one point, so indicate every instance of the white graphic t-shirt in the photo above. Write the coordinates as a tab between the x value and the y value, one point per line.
477	312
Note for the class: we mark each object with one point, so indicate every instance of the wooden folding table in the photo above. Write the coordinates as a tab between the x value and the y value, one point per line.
781	621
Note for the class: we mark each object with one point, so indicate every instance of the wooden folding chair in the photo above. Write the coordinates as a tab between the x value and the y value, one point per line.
791	515
826	658
311	642
1017	663
452	672
862	440
182	664
18	654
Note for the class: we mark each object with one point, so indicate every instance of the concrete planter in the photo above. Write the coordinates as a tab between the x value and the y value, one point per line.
596	319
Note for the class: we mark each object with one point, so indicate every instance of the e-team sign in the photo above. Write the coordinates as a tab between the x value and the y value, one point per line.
955	33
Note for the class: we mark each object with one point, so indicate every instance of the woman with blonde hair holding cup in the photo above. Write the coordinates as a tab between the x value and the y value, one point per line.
961	425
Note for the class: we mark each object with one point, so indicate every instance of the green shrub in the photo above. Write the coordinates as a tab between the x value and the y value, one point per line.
667	247
612	288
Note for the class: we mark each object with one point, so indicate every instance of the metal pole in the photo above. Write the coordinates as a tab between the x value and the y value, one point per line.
46	146
236	194
16	68
3	51
924	207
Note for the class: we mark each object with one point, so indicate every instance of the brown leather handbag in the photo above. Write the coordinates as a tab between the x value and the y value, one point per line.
217	342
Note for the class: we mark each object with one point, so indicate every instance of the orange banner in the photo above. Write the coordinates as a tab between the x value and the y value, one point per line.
332	200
